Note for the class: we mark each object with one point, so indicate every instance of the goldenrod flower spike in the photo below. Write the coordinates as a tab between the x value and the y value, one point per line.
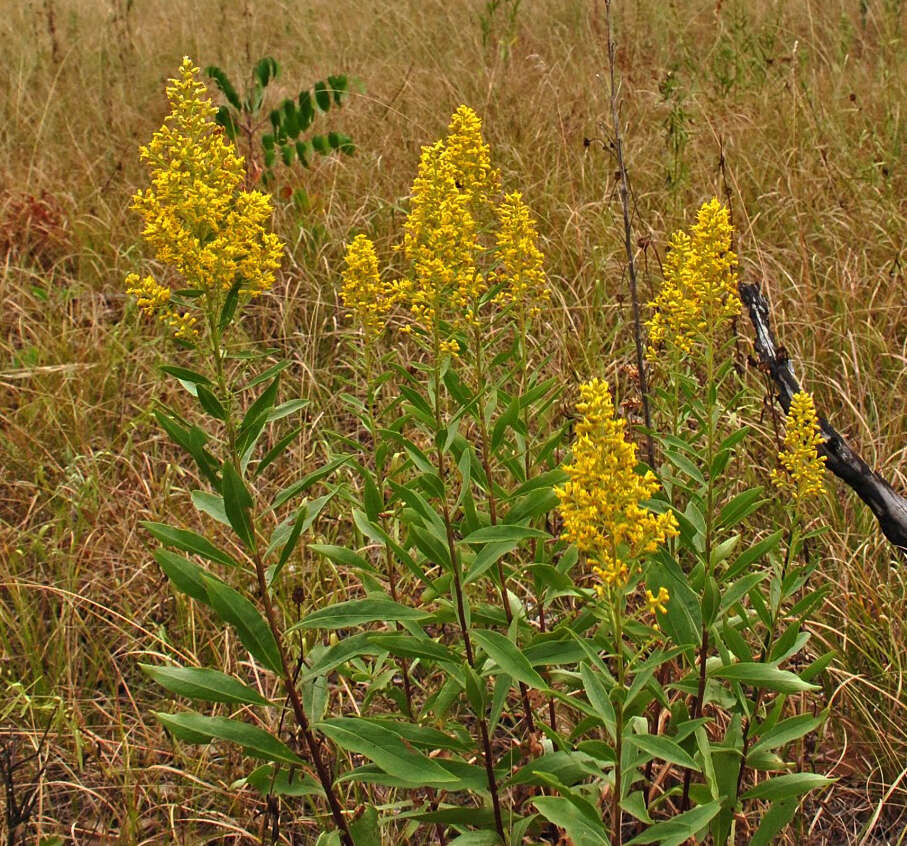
601	503
803	467
520	257
367	297
700	283
440	242
469	158
197	216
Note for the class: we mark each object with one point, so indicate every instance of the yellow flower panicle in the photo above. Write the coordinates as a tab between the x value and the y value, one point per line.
469	158
700	283
150	296
803	467
601	503
367	297
521	259
440	241
197	216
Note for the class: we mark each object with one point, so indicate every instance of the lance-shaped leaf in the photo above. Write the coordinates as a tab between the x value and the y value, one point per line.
205	684
387	749
357	612
254	633
189	541
763	676
197	728
505	654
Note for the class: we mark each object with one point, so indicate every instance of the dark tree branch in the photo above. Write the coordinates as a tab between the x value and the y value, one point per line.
889	507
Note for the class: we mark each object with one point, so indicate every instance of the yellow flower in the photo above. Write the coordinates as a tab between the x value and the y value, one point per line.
440	242
601	504
469	158
197	216
364	293
700	283
657	602
520	258
803	467
149	295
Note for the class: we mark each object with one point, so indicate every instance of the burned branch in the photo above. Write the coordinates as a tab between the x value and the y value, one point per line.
889	507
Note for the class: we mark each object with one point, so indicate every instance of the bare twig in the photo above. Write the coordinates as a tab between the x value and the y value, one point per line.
628	241
888	506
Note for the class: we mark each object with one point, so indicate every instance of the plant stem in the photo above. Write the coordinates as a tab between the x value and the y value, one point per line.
458	594
493	510
379	483
617	623
287	673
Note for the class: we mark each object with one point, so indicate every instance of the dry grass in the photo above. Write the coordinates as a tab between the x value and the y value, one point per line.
804	100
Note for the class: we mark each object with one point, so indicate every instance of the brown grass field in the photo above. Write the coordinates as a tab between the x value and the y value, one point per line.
805	103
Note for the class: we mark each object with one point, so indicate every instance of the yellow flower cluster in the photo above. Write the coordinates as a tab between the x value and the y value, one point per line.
520	257
469	157
803	467
367	297
154	299
601	503
197	216
440	241
700	284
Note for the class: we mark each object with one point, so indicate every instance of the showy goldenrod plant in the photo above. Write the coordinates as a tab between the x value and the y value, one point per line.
524	642
211	240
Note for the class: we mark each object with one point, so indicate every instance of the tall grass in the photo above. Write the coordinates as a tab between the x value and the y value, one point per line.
803	99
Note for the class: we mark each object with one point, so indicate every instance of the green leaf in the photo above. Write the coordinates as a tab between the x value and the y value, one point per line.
210	504
662	748
503	534
254	740
387	749
186	576
788	730
231	301
265	70
787	786
763	676
205	684
675	831
754	553
365	831
322	96
307	481
188	541
210	403
582	829
598	698
276	780
341	555
357	612
508	657
404	645
776	817
237	503
476	838
740	507
276	451
183	374
254	633
222	81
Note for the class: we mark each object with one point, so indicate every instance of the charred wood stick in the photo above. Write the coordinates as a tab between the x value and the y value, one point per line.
889	507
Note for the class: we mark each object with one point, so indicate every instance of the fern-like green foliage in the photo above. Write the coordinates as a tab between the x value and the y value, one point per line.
283	135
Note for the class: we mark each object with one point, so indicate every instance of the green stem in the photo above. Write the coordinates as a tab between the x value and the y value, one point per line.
698	702
480	377
617	624
379	483
458	591
287	674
